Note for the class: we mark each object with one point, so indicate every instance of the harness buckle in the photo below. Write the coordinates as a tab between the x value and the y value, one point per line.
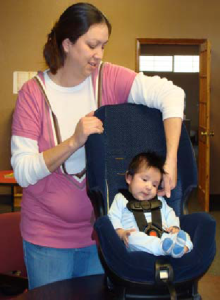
152	230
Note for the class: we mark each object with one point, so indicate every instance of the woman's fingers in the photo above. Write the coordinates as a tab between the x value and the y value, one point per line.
91	125
169	179
87	125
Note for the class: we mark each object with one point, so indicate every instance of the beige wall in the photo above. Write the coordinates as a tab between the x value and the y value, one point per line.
24	25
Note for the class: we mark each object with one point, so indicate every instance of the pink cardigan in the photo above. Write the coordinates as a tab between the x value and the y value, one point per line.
56	211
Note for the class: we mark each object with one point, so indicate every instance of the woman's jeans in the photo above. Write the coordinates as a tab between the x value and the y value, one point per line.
45	265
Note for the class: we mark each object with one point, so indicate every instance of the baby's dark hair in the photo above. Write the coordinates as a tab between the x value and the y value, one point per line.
146	159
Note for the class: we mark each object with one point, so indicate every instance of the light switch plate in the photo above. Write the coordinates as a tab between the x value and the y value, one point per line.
19	78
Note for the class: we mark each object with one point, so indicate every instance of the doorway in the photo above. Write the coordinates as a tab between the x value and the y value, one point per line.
197	97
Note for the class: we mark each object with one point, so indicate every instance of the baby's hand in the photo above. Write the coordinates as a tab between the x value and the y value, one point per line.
173	229
124	234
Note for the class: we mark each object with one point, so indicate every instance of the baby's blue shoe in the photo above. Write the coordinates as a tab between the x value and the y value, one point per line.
167	245
178	249
181	238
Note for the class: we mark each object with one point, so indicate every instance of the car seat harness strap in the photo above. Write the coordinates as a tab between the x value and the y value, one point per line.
138	208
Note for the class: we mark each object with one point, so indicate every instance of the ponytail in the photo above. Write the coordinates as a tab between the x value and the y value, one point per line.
53	55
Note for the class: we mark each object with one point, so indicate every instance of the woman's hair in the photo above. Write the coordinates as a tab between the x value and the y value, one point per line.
147	160
73	23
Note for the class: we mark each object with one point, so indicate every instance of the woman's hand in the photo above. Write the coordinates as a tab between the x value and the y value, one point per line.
169	178
87	125
172	128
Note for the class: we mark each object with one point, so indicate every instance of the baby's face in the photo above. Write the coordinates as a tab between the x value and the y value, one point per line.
144	184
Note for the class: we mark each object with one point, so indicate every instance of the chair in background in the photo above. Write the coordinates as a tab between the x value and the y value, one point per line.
13	276
128	130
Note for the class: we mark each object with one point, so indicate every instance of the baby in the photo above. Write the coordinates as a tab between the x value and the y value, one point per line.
143	177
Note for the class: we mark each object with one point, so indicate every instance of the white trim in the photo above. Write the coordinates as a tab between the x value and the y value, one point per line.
50	110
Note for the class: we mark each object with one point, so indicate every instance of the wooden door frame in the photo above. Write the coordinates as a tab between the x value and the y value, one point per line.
151	41
180	42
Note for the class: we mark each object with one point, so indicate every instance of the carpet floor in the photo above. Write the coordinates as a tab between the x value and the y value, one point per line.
209	287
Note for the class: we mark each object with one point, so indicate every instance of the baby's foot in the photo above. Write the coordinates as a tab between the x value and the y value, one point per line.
179	248
167	245
181	238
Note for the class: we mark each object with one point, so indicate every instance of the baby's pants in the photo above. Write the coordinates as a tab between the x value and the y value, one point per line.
140	241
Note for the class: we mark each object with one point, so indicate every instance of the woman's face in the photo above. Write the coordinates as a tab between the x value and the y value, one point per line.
85	54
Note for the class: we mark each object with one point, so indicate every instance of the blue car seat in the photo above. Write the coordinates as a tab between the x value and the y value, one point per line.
128	130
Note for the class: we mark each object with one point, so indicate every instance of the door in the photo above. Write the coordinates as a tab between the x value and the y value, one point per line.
204	126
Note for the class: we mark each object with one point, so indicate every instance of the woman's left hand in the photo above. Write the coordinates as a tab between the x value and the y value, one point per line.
169	179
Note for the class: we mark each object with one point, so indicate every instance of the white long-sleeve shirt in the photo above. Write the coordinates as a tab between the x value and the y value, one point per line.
154	92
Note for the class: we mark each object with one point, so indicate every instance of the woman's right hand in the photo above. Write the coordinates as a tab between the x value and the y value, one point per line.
57	155
87	125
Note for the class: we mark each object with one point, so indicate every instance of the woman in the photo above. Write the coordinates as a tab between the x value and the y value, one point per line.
48	140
